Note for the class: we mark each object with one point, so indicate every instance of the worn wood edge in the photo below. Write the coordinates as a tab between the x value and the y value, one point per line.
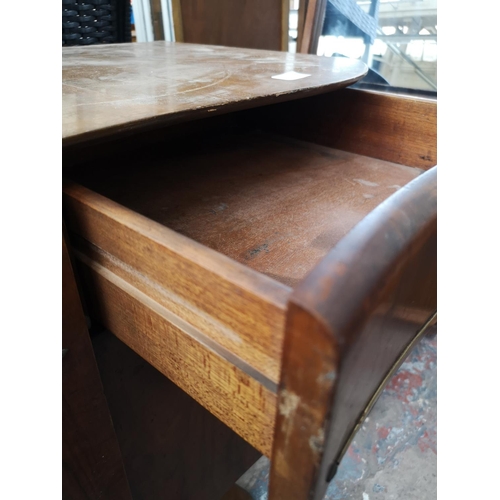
250	304
310	311
300	459
233	396
396	286
150	123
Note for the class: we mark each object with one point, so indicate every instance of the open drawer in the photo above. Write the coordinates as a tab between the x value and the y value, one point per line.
275	263
194	255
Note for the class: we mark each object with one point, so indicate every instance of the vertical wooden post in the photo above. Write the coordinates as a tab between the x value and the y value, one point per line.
91	457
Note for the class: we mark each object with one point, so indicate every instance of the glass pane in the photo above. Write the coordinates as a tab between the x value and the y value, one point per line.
397	39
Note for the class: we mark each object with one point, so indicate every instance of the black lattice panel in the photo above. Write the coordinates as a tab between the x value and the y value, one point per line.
88	22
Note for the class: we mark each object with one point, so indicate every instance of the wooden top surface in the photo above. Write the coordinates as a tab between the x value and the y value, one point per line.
111	89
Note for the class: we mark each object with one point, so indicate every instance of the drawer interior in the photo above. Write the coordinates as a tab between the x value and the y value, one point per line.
272	203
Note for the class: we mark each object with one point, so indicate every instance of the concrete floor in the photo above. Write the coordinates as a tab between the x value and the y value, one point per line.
394	455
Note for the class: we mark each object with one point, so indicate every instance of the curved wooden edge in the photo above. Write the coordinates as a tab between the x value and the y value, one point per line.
249	84
343	289
347	324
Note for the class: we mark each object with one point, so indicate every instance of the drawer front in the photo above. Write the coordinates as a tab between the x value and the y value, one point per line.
208	323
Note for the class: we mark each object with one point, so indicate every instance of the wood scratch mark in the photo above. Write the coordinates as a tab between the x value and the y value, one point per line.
347	180
317	442
287	407
366	183
147	99
77	87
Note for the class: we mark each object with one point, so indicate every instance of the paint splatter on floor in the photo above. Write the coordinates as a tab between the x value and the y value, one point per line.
394	454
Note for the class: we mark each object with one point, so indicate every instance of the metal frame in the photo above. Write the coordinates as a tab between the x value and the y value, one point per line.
168	20
143	20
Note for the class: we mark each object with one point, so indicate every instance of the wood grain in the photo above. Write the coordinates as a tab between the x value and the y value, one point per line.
226	302
111	90
388	127
170	345
242	331
174	241
172	447
273	204
92	466
253	24
346	304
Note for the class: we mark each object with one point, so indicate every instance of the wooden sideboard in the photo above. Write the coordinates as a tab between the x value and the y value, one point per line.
260	234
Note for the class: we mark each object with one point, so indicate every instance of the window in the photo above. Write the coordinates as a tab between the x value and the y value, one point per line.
397	39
